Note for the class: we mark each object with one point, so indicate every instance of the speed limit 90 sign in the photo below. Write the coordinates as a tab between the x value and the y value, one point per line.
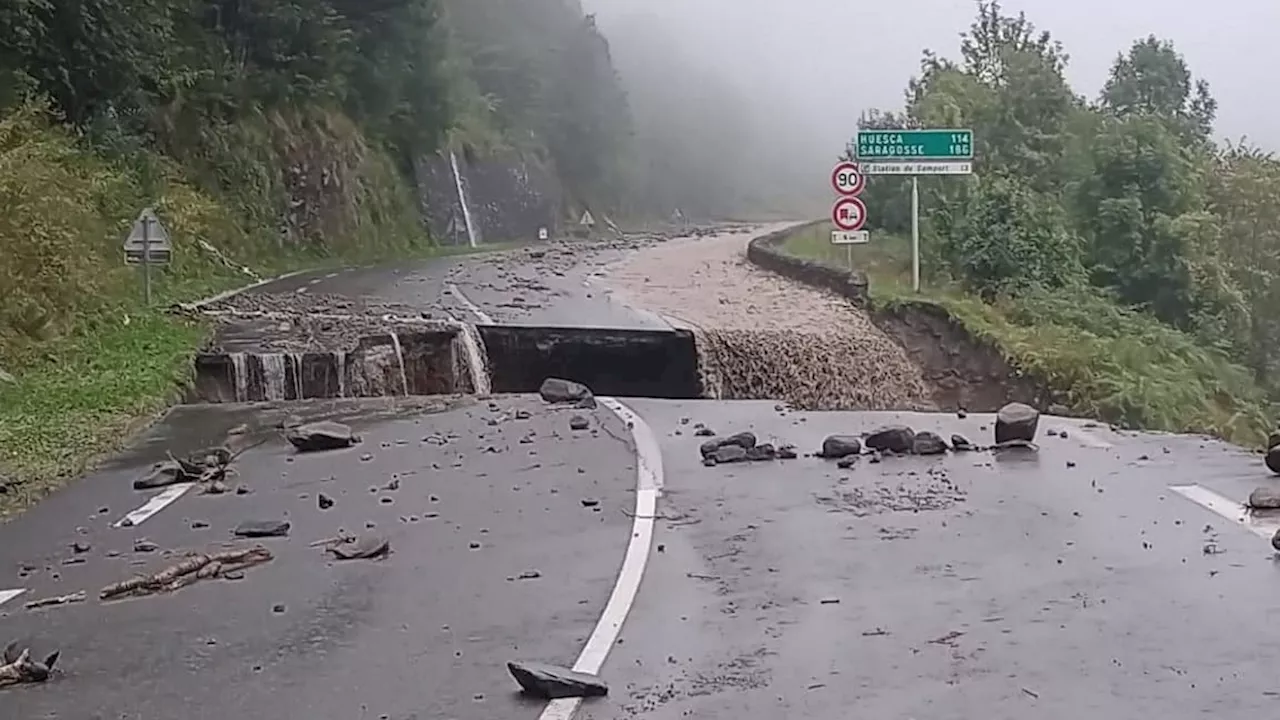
848	180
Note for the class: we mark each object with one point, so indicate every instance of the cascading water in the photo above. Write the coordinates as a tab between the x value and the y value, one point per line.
462	199
297	375
404	377
477	362
340	363
240	370
273	376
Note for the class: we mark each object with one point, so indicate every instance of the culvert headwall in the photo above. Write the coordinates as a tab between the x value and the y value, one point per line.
446	360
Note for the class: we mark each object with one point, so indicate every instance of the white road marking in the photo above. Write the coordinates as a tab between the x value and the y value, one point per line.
157	503
466	302
648	487
1229	509
236	291
7	595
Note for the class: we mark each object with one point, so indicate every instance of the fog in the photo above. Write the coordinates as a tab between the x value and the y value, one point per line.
805	69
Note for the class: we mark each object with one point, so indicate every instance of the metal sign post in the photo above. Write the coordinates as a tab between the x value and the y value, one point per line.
147	244
915	153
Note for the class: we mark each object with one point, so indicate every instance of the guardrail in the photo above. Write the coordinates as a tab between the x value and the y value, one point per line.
766	251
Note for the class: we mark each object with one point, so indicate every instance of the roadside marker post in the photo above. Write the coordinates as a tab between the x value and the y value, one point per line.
849	214
147	244
915	152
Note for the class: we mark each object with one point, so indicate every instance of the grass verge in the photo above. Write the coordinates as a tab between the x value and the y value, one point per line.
1101	360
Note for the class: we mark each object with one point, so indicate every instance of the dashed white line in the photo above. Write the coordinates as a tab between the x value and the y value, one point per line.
466	302
7	595
1229	509
648	486
154	505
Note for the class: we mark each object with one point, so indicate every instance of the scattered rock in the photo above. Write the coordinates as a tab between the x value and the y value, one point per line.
1265	498
548	682
577	422
762	453
928	443
1275	541
557	390
321	436
835	447
703	431
1273	459
1016	421
1273	439
788	452
80	547
529	575
324	501
365	547
743	441
142	545
895	438
18	667
730	454
960	443
262	528
590	502
163	474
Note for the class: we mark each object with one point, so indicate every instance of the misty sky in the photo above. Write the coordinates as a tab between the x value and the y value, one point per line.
829	59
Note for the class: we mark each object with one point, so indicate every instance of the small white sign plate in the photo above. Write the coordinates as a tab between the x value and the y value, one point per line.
918	168
850	237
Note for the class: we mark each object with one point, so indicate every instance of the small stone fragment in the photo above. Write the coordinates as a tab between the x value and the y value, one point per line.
324	501
557	390
262	528
142	545
895	438
1265	498
549	682
848	462
1275	541
590	502
788	452
365	547
743	440
960	443
80	547
1017	421
835	447
928	443
321	436
577	422
762	453
703	431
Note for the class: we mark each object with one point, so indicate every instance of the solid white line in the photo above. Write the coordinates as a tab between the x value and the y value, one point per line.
154	505
1229	509
466	302
7	595
648	486
236	291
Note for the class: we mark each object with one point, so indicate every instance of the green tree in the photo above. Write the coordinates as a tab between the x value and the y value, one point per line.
1153	79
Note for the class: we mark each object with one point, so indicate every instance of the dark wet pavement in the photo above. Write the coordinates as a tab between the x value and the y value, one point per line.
496	556
974	585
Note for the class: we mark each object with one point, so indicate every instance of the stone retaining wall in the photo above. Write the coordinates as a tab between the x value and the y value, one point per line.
767	252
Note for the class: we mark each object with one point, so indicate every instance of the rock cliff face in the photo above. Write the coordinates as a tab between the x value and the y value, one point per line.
508	197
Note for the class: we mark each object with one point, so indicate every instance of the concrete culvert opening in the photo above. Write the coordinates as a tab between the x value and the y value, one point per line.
619	362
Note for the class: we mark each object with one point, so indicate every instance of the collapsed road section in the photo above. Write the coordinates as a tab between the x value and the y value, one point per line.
366	512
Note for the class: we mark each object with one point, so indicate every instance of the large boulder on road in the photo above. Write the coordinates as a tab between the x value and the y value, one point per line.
835	447
322	436
895	438
557	390
1016	422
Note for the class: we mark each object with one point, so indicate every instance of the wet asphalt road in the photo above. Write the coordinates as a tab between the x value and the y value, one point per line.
506	533
1072	581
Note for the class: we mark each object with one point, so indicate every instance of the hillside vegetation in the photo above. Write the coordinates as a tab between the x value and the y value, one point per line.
268	136
1109	246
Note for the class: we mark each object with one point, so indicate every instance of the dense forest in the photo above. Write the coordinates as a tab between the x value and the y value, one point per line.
1111	211
268	131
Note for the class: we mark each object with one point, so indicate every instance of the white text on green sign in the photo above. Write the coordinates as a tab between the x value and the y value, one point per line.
915	145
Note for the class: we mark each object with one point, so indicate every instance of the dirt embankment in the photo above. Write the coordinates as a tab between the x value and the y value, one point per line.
960	370
761	336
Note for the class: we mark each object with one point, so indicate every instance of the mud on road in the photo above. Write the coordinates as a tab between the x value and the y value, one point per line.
762	336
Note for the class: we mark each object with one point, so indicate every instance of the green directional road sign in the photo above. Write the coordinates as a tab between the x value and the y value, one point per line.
900	145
